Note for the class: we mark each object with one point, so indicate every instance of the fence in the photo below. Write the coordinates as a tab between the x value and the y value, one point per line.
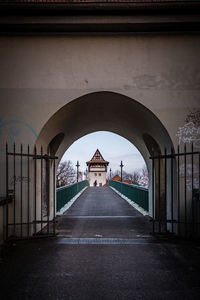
66	193
29	202
137	194
176	193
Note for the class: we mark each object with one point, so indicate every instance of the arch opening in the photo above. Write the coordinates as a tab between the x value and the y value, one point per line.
113	149
107	111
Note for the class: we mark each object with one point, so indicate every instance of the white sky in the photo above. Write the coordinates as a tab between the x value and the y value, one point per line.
113	148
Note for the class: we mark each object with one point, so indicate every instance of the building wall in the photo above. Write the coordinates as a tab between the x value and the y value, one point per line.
41	74
99	178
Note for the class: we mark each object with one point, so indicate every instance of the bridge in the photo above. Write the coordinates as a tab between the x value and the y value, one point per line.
103	250
101	213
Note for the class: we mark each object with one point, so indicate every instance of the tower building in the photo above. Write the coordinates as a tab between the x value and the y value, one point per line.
97	169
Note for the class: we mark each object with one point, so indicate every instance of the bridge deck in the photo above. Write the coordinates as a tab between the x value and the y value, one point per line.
100	212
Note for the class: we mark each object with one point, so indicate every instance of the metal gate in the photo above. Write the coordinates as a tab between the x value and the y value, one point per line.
176	192
29	210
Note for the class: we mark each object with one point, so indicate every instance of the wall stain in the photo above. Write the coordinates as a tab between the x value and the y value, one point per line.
181	79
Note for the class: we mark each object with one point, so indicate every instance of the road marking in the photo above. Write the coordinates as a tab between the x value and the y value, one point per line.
104	241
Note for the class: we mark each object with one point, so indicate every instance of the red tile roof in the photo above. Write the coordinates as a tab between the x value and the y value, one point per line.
97	162
118	178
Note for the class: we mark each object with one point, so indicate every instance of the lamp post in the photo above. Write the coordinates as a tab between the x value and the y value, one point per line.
121	166
77	166
110	173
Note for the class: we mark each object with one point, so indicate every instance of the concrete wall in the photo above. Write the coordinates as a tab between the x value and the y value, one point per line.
40	75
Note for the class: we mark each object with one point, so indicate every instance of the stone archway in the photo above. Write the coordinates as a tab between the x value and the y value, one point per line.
107	111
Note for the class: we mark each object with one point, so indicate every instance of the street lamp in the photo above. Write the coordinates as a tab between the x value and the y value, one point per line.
121	166
77	166
110	173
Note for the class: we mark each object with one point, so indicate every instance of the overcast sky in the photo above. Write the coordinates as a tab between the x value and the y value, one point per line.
113	148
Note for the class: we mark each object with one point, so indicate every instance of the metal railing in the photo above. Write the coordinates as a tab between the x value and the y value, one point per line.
137	194
66	193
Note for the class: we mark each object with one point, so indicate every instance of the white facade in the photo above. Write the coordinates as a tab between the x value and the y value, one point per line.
98	176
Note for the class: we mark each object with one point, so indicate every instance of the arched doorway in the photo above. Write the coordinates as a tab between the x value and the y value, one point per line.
99	111
112	112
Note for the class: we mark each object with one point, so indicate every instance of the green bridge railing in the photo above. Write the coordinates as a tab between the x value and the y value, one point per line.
137	194
66	193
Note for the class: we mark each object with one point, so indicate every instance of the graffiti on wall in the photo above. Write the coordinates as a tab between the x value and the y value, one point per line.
190	131
190	171
187	134
12	131
18	179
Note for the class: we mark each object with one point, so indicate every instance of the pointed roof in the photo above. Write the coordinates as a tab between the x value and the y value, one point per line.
97	158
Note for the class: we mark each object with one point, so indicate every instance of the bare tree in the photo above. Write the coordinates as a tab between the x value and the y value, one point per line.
66	173
144	177
137	177
116	172
134	177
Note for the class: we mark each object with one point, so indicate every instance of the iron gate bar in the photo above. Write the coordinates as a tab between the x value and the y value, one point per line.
165	189
153	194
198	206
41	221
174	155
7	191
174	221
35	191
185	188
54	199
192	162
28	192
37	156
159	211
172	191
48	198
33	222
14	187
178	189
21	186
185	212
41	187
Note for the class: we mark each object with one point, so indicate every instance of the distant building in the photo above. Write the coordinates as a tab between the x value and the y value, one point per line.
118	178
97	170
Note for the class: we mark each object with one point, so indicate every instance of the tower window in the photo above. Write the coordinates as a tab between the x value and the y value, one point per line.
99	174
95	174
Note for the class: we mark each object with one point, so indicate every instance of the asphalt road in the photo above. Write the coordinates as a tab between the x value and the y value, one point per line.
90	267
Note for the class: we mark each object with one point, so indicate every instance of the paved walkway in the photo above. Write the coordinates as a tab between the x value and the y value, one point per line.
100	212
101	266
